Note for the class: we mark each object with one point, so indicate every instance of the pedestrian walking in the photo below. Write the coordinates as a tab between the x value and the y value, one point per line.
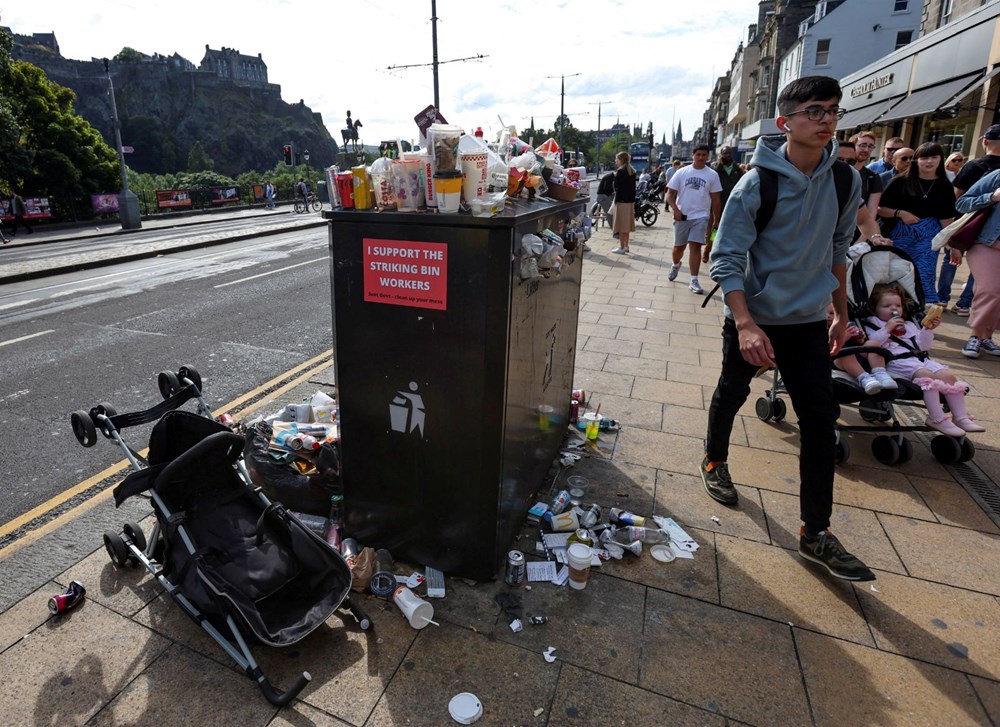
693	194
984	261
918	204
269	193
19	209
777	285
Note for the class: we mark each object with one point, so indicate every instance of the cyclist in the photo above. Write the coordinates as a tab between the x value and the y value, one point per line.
302	190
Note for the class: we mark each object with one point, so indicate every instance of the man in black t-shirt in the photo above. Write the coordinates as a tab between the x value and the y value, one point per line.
975	170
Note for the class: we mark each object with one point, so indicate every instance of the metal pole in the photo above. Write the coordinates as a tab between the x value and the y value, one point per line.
562	110
128	203
434	42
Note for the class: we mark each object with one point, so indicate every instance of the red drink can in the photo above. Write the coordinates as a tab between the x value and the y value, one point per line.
65	601
345	187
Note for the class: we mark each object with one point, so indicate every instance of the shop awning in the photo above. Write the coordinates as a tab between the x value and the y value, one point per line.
929	100
866	114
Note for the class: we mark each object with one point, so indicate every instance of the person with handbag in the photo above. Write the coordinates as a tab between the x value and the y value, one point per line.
983	257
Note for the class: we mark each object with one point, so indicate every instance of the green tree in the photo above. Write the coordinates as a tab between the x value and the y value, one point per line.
198	160
128	55
56	153
15	160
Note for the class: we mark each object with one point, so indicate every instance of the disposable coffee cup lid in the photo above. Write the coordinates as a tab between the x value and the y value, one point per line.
662	553
465	708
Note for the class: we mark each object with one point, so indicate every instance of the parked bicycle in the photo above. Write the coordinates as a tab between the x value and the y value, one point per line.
312	203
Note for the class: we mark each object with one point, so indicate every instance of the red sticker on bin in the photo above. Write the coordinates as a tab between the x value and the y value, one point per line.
404	272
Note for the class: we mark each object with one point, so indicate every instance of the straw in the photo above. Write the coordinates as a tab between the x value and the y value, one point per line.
399	142
597	412
430	621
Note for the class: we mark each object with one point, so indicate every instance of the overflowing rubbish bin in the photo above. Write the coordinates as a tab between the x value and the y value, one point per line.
454	352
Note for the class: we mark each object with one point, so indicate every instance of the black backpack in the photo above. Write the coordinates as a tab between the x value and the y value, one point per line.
842	180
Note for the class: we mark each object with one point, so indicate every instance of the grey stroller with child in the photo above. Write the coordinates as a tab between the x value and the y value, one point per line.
867	268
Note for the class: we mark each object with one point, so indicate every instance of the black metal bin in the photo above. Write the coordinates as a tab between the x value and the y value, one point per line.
453	376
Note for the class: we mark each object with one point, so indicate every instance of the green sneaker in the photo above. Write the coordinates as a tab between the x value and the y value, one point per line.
826	550
718	483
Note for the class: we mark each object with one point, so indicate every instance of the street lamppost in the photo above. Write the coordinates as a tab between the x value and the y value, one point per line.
128	203
562	105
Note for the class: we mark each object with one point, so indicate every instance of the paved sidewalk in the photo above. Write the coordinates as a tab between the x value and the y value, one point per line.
746	632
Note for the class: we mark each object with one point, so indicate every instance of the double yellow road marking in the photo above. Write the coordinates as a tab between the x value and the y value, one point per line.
302	373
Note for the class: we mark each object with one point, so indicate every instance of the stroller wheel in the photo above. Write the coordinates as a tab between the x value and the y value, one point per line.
83	428
135	534
905	451
843	451
190	372
763	409
168	384
968	450
107	410
649	215
946	450
780	409
117	551
885	449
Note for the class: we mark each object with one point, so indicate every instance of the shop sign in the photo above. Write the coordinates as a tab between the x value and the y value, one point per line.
403	272
872	84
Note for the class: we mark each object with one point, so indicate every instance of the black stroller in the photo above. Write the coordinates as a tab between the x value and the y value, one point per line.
883	264
239	565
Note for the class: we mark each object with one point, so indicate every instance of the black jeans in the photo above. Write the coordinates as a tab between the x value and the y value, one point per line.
802	353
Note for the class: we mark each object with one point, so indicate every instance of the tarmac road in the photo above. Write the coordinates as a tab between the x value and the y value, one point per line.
241	313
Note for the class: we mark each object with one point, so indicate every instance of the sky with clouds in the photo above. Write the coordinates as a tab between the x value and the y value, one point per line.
642	60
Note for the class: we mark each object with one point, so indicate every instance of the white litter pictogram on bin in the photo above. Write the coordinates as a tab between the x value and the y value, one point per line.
406	412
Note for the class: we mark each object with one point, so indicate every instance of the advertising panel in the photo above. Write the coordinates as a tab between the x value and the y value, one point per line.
104	203
167	198
221	195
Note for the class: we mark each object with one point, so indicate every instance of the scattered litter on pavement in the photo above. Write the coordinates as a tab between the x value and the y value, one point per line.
549	654
874	589
644	310
465	708
516	626
716	520
539	711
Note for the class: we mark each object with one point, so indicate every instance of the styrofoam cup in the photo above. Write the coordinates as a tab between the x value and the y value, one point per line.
417	611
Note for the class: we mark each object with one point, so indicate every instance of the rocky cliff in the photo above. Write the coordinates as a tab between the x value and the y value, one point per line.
165	106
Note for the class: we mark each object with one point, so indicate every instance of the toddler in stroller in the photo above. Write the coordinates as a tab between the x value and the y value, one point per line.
908	343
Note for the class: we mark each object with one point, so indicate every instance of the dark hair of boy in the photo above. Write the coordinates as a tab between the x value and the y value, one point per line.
808	88
701	147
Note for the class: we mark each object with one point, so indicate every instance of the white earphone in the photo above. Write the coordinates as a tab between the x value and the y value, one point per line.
787	126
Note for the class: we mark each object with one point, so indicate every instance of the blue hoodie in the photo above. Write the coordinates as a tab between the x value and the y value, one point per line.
786	272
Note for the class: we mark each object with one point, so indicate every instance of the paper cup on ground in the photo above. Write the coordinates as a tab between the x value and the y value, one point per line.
407	185
417	611
448	190
475	177
579	556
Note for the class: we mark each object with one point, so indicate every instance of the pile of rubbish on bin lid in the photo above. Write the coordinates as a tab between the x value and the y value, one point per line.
451	171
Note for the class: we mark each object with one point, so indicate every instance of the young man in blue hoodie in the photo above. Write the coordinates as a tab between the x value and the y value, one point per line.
777	287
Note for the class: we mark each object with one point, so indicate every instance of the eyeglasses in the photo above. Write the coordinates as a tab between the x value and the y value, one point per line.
818	113
893	149
906	159
864	146
958	159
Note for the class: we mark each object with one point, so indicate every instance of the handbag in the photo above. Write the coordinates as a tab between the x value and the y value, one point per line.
941	238
966	236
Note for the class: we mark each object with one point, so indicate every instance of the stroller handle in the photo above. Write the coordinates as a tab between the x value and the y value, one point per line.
227	444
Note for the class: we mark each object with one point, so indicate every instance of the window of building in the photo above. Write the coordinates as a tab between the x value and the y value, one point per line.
945	12
903	37
901	6
822	52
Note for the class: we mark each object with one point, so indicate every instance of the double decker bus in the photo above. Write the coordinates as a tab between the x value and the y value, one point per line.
639	151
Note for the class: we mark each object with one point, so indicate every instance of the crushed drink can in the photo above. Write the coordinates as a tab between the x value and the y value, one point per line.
623	517
65	601
538	620
592	516
574	411
516	573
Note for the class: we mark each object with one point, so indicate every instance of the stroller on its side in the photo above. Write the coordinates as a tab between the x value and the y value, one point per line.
867	268
239	565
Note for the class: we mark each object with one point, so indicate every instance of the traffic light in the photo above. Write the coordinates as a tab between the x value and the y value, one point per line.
289	153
